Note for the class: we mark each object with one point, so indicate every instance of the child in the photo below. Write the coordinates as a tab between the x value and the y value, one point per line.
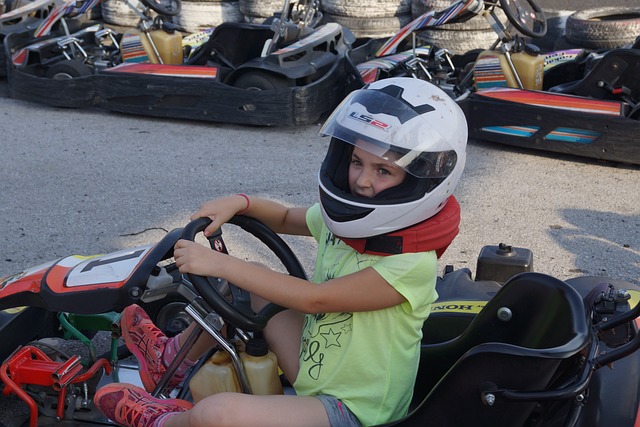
350	341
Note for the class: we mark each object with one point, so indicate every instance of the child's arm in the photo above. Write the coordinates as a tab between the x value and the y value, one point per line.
276	216
365	290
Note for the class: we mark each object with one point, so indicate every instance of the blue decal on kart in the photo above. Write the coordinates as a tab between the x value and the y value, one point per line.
581	136
519	131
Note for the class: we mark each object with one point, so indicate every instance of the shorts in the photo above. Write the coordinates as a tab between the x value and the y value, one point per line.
338	413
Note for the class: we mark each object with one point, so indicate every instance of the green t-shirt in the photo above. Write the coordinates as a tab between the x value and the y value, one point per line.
368	360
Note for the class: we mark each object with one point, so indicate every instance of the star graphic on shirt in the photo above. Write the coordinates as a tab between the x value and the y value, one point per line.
331	338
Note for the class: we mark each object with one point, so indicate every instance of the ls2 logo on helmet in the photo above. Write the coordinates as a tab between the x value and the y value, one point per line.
368	119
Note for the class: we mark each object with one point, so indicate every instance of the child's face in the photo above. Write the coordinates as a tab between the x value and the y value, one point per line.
370	174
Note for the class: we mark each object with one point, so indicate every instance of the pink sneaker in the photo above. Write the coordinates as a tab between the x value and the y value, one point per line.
147	343
131	406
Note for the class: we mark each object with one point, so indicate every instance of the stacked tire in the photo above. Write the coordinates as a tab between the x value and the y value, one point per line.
368	18
199	15
475	33
257	11
118	12
601	28
194	16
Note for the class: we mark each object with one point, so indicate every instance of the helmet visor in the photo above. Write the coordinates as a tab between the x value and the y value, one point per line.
394	130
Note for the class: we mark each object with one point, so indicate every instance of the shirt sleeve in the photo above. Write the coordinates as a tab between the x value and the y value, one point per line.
314	221
413	275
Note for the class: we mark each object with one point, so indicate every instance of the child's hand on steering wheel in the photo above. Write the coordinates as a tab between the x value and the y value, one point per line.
221	210
194	258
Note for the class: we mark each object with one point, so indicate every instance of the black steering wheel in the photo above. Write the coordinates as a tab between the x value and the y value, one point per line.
164	7
241	318
528	19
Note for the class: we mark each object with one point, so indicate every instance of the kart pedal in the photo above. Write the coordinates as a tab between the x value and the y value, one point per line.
31	366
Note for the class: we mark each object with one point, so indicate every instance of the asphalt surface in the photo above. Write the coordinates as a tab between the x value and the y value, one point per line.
89	181
86	182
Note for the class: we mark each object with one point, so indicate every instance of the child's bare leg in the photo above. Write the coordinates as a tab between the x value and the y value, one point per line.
203	344
236	409
283	333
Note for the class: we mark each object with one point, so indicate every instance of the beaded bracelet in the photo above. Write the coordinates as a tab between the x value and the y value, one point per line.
242	212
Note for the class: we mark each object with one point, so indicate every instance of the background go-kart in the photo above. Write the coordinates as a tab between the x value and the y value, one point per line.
87	182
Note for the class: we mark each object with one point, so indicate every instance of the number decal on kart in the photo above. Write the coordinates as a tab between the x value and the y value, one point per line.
112	268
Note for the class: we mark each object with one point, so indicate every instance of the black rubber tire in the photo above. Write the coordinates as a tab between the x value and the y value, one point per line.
260	8
604	27
366	8
459	42
198	15
68	69
260	80
419	7
370	27
3	66
117	12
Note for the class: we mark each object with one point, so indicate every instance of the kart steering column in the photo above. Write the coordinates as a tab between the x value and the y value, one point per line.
505	51
145	26
212	323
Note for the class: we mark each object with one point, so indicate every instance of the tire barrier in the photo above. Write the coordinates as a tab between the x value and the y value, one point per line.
604	27
198	15
459	38
367	18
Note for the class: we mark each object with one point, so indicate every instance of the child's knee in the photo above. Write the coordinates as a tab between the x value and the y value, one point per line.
219	407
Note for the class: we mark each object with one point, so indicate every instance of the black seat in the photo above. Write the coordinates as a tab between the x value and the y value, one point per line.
615	74
223	46
518	342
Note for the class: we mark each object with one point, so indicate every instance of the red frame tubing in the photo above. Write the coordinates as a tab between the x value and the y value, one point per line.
30	365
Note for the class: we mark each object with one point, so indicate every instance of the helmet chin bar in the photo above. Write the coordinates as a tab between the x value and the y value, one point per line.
340	212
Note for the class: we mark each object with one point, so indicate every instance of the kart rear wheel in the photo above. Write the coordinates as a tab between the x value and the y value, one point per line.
68	69
259	80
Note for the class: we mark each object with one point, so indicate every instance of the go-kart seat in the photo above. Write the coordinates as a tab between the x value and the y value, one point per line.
234	43
614	75
516	343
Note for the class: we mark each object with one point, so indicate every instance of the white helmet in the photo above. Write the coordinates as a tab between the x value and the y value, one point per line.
414	125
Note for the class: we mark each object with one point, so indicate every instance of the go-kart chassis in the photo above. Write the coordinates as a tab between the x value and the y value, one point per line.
461	301
169	91
551	122
509	349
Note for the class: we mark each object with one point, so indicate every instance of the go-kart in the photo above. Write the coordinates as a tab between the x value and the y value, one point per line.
286	72
588	105
511	347
42	18
576	101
